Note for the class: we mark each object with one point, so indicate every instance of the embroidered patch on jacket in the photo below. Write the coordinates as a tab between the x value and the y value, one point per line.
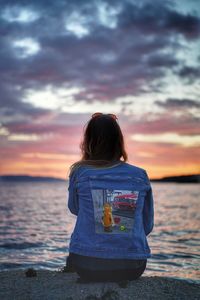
114	210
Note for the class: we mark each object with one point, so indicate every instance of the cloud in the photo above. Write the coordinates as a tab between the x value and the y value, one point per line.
189	73
173	103
48	124
171	138
167	122
15	110
160	18
91	57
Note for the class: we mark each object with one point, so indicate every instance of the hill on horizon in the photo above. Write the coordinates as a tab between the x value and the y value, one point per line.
194	178
29	178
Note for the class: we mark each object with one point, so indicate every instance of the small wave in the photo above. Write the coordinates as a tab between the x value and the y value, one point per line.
178	232
170	263
5	207
8	265
24	245
173	255
155	269
176	206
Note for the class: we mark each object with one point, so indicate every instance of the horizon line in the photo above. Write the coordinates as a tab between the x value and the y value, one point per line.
61	178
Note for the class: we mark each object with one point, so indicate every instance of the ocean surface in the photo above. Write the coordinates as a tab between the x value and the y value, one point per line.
35	228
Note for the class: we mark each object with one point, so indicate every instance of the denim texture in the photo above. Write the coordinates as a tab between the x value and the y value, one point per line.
86	239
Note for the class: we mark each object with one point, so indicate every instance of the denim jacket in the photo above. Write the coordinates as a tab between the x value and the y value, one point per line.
114	209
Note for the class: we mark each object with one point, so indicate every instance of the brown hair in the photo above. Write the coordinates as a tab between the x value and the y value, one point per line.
103	143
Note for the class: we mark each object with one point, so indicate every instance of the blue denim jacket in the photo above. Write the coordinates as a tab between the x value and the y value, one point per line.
114	209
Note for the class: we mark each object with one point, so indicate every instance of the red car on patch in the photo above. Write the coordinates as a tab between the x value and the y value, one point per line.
125	202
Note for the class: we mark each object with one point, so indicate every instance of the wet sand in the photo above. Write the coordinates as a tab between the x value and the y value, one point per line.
54	285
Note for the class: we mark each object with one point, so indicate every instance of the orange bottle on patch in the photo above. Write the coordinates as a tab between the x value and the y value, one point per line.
107	218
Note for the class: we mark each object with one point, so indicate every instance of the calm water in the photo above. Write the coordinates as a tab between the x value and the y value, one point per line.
35	228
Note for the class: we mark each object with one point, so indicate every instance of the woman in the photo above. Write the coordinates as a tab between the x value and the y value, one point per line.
114	207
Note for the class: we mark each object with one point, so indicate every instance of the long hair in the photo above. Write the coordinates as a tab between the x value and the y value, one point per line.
103	143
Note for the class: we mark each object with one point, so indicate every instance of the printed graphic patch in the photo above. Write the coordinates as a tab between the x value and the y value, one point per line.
114	210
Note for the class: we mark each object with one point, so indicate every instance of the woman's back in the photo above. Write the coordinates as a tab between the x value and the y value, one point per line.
113	203
114	208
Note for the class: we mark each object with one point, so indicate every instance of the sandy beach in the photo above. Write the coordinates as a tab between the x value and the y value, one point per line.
53	285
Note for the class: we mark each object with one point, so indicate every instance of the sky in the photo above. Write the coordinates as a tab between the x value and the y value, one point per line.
62	61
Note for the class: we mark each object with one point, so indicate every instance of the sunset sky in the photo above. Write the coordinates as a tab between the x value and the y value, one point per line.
61	61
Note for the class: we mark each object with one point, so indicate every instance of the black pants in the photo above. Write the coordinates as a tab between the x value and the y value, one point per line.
98	270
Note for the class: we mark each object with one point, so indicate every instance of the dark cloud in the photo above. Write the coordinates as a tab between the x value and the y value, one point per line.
173	103
188	25
40	129
162	60
54	123
161	18
190	73
128	58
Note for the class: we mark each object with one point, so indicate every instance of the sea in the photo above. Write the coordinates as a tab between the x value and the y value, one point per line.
36	225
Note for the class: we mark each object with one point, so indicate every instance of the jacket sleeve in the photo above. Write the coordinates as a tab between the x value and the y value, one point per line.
73	204
148	210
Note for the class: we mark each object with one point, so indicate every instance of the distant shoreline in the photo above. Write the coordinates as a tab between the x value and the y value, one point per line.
195	178
180	179
27	178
